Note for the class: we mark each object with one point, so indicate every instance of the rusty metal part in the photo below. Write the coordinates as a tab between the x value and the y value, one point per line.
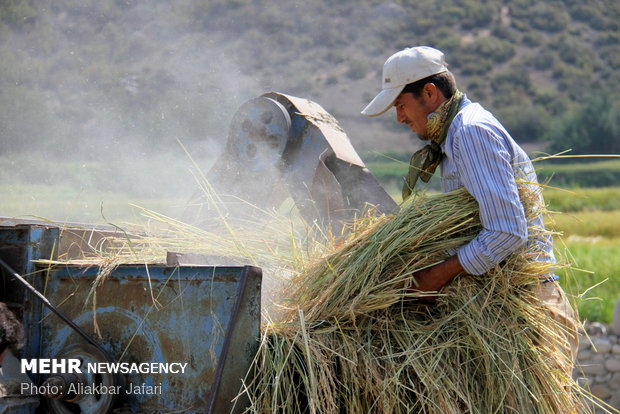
125	409
77	240
199	259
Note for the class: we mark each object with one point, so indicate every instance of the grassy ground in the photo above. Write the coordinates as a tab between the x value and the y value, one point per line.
94	191
67	204
589	220
594	278
583	199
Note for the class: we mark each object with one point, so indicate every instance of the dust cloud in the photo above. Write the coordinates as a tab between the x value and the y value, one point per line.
105	115
100	101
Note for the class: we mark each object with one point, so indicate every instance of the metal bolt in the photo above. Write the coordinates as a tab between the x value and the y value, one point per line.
55	383
266	117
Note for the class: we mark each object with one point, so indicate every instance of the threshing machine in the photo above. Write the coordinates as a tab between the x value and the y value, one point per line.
179	336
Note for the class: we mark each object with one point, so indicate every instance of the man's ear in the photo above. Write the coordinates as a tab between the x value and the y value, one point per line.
429	90
433	94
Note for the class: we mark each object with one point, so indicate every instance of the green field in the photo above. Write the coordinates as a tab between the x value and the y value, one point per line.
84	205
594	278
583	199
589	220
94	191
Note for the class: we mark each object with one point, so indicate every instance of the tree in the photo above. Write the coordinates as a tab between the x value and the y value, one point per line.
591	128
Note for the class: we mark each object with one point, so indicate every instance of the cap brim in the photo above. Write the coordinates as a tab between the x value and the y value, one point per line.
382	102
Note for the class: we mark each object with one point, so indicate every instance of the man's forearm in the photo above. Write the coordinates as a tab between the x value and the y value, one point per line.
435	277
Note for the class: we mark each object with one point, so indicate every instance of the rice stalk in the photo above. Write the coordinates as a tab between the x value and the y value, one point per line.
367	343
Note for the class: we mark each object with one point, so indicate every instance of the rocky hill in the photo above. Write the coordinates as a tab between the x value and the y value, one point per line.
127	75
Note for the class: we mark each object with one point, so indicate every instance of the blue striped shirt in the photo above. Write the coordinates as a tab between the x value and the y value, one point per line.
481	156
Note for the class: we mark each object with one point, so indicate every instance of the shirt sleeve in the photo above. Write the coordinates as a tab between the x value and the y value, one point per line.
485	166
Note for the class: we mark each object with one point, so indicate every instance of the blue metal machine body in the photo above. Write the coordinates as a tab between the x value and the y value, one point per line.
205	317
20	245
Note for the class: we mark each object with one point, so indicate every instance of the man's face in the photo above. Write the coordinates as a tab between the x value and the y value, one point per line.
413	112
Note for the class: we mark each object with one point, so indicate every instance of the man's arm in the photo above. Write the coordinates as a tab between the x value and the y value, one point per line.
486	170
435	277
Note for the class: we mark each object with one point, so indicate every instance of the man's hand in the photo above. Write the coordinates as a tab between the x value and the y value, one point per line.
435	277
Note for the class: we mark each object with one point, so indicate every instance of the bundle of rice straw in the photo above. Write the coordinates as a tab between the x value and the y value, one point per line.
356	339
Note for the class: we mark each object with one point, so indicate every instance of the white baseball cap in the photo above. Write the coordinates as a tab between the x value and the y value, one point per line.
404	67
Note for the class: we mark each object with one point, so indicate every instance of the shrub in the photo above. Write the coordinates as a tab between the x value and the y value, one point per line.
572	80
591	128
611	55
452	15
573	51
18	14
542	61
357	69
494	49
478	14
551	101
548	17
519	9
516	78
607	39
533	39
504	32
449	44
479	57
477	88
470	64
331	80
520	25
524	123
587	13
421	25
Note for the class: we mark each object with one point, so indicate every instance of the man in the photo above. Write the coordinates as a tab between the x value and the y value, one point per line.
476	152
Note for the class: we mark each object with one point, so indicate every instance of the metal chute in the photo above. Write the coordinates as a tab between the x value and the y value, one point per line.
282	146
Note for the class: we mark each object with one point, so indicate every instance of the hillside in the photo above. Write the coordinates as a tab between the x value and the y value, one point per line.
116	76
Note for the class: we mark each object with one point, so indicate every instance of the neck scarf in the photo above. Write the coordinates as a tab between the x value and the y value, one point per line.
424	162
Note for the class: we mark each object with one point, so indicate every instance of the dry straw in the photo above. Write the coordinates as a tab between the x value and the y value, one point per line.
356	339
352	336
